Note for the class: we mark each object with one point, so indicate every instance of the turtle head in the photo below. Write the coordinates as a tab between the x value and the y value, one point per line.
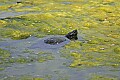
72	35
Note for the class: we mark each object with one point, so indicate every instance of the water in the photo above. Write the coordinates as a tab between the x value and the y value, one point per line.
54	68
11	14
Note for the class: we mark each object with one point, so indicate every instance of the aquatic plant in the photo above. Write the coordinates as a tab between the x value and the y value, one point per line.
4	58
117	50
81	60
4	54
98	20
92	59
2	23
101	77
20	35
74	45
23	77
44	56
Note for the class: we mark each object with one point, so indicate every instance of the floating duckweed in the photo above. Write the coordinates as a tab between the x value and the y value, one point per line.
96	48
73	45
97	19
3	7
102	77
4	58
93	42
23	77
93	49
4	54
75	63
45	56
42	60
20	35
1	69
76	55
79	60
21	60
117	50
90	24
106	23
28	9
77	8
90	59
63	14
38	79
117	22
50	30
108	0
38	17
2	23
115	35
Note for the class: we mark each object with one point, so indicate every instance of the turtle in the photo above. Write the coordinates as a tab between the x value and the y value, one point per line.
55	41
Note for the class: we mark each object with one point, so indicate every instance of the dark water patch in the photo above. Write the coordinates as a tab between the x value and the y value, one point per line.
67	3
12	14
4	15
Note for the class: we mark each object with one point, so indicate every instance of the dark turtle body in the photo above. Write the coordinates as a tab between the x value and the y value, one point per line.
56	40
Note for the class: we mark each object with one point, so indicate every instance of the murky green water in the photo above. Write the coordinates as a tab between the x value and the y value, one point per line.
25	24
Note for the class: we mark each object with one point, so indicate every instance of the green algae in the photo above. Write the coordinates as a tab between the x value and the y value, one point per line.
86	20
73	45
4	56
81	60
98	20
91	54
22	60
94	59
39	57
6	59
24	78
101	77
51	22
20	35
44	56
2	23
117	50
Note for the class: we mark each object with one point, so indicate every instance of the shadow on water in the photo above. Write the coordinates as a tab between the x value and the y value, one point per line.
54	68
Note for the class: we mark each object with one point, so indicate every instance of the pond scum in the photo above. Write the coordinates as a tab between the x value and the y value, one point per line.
98	20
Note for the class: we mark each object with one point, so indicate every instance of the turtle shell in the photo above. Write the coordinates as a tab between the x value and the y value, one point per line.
50	42
54	40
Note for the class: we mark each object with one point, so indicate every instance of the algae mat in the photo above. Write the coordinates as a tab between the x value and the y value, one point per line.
26	22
